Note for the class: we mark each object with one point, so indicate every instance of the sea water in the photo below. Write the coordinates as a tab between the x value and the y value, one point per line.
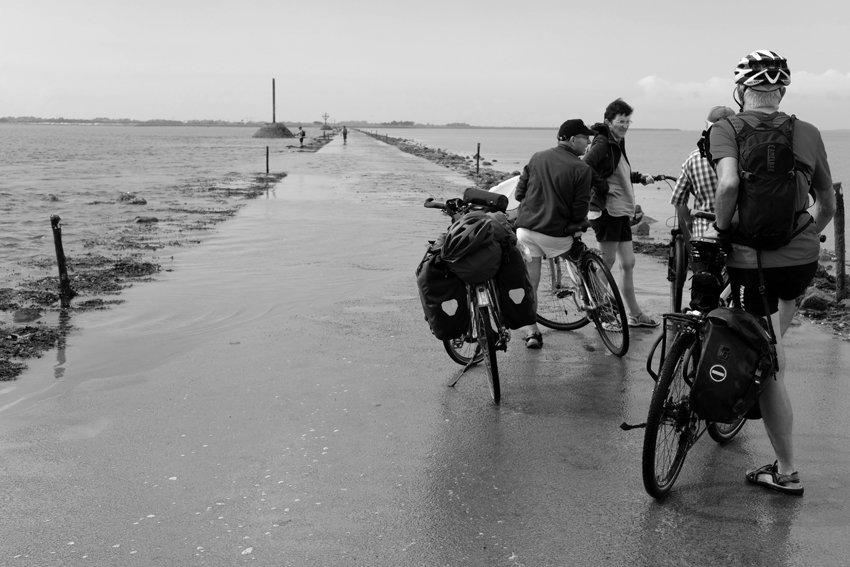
80	172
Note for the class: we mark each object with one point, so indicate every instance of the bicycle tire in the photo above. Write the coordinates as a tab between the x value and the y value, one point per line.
677	272
487	344
463	349
558	303
609	316
671	421
724	432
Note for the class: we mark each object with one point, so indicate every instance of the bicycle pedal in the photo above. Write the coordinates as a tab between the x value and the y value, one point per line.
565	292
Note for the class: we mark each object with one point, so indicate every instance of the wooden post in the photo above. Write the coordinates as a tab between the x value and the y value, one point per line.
840	245
65	291
477	157
267	160
273	103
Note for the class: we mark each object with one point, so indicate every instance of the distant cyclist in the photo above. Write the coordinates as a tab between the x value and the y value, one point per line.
760	82
553	193
699	179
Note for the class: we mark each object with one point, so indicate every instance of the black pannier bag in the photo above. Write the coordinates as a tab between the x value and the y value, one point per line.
735	363
443	295
516	297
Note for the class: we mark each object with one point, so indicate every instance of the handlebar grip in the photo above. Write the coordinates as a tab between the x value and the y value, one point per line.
430	203
667	177
703	215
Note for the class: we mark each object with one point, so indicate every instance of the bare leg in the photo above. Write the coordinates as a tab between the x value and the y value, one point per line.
775	403
534	279
626	255
624	252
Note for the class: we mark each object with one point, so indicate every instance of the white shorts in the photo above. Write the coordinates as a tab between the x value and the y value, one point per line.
540	245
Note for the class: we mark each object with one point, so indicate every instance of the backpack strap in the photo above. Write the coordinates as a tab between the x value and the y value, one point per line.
763	293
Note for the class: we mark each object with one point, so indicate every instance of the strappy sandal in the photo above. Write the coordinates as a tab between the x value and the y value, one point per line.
768	476
534	341
642	320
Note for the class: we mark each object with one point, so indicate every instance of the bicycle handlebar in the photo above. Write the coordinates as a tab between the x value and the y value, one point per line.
661	176
703	215
431	203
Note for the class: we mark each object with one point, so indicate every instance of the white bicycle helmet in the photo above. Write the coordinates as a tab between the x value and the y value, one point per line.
763	68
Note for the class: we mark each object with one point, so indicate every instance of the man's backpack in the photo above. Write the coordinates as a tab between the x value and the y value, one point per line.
736	360
767	194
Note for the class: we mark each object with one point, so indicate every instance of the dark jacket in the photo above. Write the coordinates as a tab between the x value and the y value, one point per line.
553	191
603	156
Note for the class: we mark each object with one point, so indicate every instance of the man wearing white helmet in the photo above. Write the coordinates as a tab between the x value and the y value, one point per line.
761	79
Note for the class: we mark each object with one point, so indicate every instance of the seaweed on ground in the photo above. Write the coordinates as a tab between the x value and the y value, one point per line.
109	264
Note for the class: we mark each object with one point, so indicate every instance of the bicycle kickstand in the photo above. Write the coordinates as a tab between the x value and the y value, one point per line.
461	372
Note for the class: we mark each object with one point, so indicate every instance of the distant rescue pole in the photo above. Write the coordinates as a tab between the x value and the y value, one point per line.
65	291
273	103
477	156
267	160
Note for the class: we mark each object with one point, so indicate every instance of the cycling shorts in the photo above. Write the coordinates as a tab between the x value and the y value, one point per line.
780	283
540	244
612	229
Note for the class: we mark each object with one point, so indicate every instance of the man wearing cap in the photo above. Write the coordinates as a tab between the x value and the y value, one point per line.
699	179
553	193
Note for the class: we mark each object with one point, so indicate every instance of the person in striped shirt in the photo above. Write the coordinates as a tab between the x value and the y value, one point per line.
699	179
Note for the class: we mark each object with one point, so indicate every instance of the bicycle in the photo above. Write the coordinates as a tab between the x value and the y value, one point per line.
487	332
578	287
677	254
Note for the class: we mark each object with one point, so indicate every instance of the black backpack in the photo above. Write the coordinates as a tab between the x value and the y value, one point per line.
767	194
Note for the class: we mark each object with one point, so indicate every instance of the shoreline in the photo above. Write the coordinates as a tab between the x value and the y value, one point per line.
822	310
31	320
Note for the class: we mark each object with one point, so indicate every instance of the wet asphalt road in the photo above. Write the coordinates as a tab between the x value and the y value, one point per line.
279	400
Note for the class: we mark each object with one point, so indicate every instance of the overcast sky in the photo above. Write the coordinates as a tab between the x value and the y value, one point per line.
487	63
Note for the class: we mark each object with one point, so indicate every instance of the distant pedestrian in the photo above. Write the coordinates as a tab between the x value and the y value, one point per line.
301	135
612	202
344	134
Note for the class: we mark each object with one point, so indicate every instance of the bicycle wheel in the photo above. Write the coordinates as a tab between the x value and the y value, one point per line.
677	272
558	303
609	315
487	345
671	423
463	349
725	432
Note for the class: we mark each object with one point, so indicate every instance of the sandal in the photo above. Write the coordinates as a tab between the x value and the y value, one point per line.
642	320
768	476
534	341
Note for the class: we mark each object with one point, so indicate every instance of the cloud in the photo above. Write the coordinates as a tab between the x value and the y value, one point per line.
821	97
829	84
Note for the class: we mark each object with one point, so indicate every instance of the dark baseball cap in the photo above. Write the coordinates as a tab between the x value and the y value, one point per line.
574	127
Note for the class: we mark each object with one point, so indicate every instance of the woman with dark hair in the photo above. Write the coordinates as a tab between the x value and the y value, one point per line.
612	201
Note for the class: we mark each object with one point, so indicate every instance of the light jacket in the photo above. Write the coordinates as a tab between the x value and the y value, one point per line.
603	156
